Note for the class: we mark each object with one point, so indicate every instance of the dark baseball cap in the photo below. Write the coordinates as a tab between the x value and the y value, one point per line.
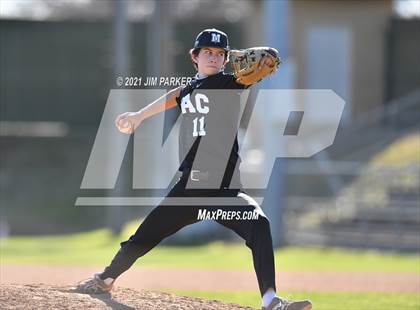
212	38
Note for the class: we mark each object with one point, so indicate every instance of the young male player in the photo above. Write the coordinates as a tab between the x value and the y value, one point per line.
209	113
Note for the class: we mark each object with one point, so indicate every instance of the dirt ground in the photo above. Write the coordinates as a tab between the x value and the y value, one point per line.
217	280
21	288
39	296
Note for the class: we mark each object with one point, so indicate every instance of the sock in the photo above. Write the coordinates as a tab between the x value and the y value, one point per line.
268	297
107	281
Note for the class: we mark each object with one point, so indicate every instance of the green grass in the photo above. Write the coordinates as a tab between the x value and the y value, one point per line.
98	247
321	301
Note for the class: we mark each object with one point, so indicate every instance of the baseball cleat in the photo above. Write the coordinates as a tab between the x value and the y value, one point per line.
94	285
283	304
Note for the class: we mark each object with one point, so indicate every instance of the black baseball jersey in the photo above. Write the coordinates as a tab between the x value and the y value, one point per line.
210	110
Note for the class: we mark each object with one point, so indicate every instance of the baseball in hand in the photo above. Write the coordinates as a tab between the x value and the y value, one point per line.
125	126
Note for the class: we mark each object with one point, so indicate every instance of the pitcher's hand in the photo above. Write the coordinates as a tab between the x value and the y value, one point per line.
128	122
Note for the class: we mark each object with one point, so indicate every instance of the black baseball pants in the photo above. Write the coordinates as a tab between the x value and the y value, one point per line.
165	220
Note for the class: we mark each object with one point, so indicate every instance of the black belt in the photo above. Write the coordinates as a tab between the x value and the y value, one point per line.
200	175
197	175
206	176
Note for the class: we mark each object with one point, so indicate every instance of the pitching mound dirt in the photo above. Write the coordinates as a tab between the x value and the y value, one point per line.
40	296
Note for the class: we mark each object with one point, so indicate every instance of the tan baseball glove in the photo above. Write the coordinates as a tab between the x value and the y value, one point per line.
251	65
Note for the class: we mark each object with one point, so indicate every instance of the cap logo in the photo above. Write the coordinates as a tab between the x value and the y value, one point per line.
215	37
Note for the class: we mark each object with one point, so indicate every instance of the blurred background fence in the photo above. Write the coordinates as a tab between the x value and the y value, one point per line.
57	69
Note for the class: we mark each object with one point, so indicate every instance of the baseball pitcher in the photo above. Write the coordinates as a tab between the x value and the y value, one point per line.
209	162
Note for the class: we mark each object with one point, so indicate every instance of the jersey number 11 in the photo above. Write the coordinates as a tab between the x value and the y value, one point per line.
199	122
